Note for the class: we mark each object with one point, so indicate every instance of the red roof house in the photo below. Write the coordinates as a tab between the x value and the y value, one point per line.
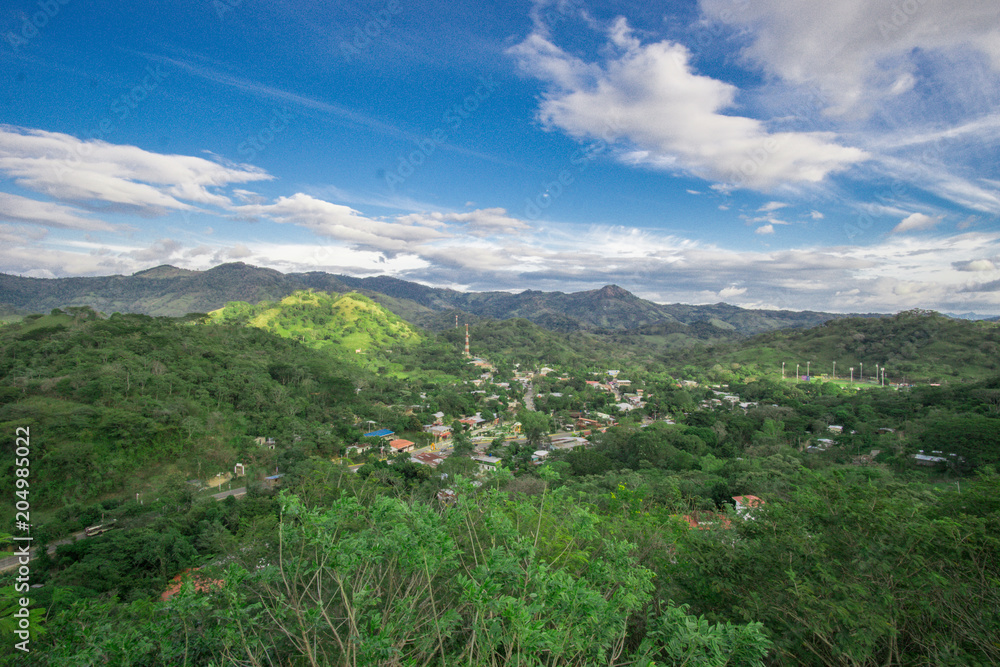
401	445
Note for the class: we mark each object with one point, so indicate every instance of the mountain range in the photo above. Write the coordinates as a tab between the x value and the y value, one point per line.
171	291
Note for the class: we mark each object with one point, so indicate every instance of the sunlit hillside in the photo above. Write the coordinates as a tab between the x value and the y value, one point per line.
345	324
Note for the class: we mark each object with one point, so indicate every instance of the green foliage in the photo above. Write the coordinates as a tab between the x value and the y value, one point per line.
913	346
113	399
350	326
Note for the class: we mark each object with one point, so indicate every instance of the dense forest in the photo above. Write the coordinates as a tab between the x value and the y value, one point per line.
637	547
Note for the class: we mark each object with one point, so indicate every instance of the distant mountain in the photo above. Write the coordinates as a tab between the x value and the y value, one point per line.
609	308
167	290
973	316
164	290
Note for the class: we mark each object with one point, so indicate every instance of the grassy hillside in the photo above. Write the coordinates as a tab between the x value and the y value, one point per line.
349	326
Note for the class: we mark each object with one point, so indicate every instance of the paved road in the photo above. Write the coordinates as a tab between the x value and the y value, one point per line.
529	397
232	492
12	562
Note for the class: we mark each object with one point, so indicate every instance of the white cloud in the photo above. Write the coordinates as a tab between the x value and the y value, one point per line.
771	206
975	265
341	222
648	101
764	229
916	222
730	292
815	215
860	52
161	252
480	223
239	251
22	209
113	176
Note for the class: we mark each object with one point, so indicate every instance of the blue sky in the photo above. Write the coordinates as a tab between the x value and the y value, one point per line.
776	153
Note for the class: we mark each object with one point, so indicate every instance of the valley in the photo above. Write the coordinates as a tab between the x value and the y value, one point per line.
461	487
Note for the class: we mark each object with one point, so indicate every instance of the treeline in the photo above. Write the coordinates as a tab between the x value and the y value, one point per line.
358	576
839	566
914	346
111	400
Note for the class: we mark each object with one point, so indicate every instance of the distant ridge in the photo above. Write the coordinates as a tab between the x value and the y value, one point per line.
170	291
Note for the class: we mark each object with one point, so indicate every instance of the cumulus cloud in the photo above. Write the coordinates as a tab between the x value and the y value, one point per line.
859	52
649	101
916	222
731	292
199	251
239	251
975	265
161	251
764	229
118	177
22	209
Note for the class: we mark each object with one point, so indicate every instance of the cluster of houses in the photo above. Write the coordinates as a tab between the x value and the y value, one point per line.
722	398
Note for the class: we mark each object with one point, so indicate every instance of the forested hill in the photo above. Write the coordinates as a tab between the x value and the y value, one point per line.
170	291
131	397
346	324
913	346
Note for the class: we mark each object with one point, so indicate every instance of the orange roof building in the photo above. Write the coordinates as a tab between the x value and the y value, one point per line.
401	445
201	584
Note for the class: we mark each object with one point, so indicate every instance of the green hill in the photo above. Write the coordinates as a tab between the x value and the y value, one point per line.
914	346
350	326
